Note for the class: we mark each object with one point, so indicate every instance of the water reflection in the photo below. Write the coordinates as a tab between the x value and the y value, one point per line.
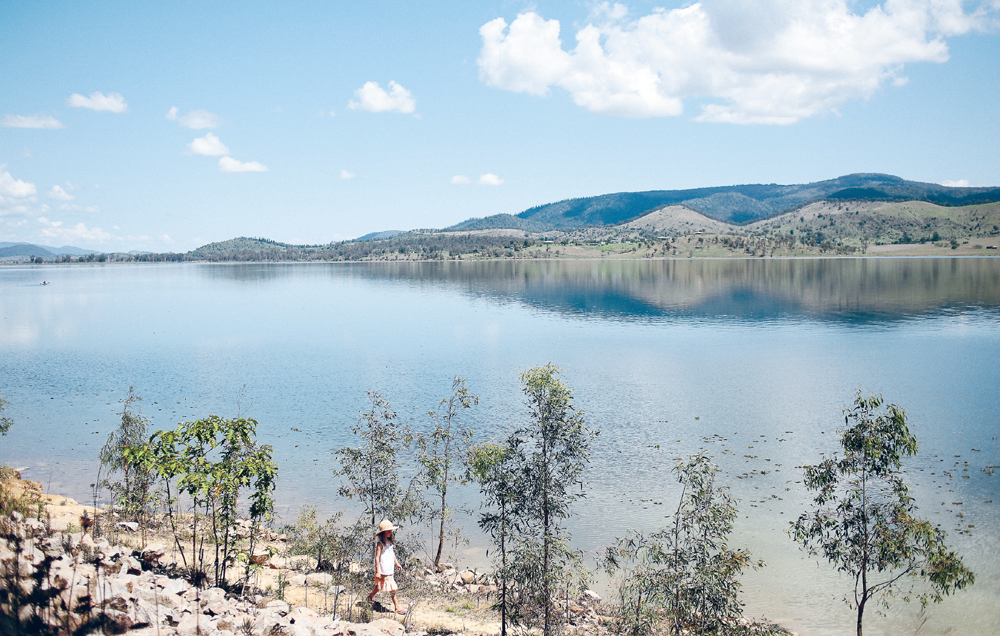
843	290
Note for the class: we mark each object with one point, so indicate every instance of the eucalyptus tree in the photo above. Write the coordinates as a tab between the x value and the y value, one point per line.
444	452
548	457
131	493
212	460
686	570
5	422
371	472
491	466
863	519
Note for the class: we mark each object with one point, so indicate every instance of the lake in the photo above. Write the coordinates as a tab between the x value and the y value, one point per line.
752	360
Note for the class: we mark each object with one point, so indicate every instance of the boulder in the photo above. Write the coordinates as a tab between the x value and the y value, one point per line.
260	557
468	576
319	579
175	586
128	526
280	607
388	626
212	595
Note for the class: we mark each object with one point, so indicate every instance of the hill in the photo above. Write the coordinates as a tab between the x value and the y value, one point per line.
25	250
45	251
738	204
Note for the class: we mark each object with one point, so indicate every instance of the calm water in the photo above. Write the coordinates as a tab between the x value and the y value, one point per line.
751	359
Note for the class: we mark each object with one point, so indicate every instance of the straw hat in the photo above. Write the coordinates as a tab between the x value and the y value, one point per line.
385	525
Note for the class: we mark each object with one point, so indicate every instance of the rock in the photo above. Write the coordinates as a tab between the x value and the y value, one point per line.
444	567
280	607
298	579
591	596
389	626
260	557
153	551
473	589
361	629
218	608
175	586
128	526
468	577
212	595
319	579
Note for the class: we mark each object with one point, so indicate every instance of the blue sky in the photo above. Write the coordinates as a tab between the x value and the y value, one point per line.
164	126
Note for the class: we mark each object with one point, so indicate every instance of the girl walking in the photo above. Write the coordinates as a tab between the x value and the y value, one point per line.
385	564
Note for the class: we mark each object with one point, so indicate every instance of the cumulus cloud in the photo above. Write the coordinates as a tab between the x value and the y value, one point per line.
16	188
228	164
113	102
375	99
31	121
460	179
208	146
347	174
79	232
765	62
57	193
489	179
194	119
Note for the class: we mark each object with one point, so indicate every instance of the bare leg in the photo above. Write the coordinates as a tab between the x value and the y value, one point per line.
395	603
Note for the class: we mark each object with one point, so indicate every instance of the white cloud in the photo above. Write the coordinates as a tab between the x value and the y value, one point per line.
375	99
208	146
59	194
113	102
26	153
228	164
460	179
79	232
31	121
67	207
11	187
347	174
769	62
489	179
961	183
195	119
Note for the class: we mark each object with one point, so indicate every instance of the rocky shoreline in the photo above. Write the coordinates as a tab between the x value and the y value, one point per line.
120	588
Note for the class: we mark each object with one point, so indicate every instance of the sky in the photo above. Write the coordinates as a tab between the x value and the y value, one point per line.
165	126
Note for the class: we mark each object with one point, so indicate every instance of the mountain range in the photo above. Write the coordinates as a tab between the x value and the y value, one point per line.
736	204
31	249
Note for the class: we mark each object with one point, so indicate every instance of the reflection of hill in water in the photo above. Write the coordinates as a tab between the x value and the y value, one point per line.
850	290
826	289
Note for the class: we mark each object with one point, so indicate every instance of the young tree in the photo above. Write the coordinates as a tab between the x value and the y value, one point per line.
490	465
863	522
443	453
131	494
5	422
371	471
548	456
212	460
687	568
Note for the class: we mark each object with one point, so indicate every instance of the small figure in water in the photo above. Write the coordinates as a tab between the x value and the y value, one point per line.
45	282
385	564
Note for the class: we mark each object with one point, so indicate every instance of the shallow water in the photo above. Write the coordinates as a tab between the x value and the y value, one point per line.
751	359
